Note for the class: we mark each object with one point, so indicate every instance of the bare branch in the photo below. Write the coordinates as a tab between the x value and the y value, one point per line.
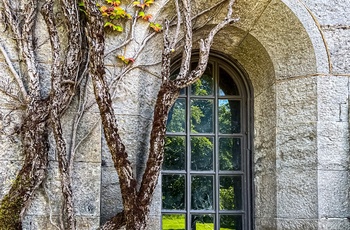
29	50
73	59
178	25
15	74
187	51
103	98
185	79
166	53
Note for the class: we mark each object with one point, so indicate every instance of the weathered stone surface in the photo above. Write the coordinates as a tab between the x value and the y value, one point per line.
249	11
335	12
313	32
296	101
154	222
265	111
265	195
333	194
333	98
157	200
333	223
333	145
86	191
256	61
297	195
111	199
297	224
87	143
51	223
296	146
8	172
338	42
87	188
291	55
265	223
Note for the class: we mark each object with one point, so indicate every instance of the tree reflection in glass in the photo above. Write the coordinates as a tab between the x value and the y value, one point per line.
201	153
230	222
230	154
227	86
230	193
202	192
202	116
173	187
174	153
229	116
177	117
203	87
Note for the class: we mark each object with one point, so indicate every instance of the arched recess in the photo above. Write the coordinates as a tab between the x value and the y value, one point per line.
278	43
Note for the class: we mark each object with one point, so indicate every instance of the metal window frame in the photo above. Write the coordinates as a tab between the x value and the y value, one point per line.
245	96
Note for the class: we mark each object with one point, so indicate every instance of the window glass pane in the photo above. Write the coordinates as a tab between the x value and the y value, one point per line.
173	187
230	194
177	117
229	116
202	116
230	154
202	222
173	222
174	153
202	153
204	86
202	192
226	84
230	222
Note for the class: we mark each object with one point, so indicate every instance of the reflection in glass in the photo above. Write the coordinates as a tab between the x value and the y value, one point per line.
202	222
230	153
204	85
177	117
173	222
230	194
202	116
202	153
202	192
229	116
230	222
174	153
226	84
173	187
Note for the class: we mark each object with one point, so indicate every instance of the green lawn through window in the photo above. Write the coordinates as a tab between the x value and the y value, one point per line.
177	222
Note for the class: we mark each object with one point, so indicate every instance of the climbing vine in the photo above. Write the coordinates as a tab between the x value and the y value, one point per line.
76	37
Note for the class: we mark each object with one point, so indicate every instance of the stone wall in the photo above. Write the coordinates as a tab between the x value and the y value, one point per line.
297	56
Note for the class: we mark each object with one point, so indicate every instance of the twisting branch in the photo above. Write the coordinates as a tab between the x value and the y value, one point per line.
29	49
178	25
187	50
166	52
55	116
168	94
103	99
186	78
25	39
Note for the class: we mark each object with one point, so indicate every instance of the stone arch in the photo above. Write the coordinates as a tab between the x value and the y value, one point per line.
280	45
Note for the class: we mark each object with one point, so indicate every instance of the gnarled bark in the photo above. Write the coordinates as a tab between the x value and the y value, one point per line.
34	135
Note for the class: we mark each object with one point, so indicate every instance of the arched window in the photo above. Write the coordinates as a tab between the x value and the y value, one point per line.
206	175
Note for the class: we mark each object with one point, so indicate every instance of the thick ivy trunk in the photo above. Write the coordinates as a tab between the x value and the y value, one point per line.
35	149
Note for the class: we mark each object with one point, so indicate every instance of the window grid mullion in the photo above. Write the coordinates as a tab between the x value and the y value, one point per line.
188	158
216	151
